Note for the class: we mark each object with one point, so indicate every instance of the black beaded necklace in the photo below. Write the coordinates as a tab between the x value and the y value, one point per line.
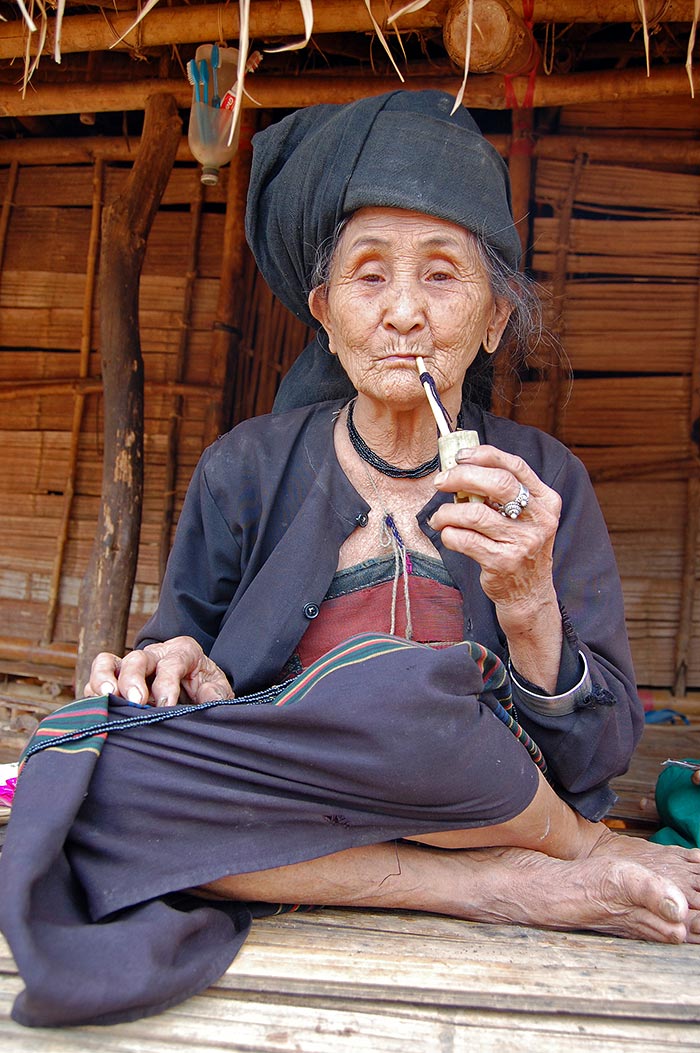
363	450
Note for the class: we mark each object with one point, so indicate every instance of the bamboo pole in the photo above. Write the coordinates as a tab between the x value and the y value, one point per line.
227	327
79	403
692	526
206	22
83	150
520	167
13	649
620	150
108	583
180	365
10	390
555	373
195	25
7	209
486	91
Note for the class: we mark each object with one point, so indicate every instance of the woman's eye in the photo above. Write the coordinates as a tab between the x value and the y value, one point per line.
439	276
371	277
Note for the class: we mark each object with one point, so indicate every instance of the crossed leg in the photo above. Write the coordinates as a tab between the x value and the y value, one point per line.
547	867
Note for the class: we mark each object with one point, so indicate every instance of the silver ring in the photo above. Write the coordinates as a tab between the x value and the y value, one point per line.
512	509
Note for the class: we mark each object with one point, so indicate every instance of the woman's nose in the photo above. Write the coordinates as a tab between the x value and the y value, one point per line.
403	308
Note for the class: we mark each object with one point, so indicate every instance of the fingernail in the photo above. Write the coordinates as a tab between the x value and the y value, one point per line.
440	478
671	909
134	695
465	454
107	688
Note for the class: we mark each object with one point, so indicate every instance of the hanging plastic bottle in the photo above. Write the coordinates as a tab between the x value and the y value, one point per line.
212	74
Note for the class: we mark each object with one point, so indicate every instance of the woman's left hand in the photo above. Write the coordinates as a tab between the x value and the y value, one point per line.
515	555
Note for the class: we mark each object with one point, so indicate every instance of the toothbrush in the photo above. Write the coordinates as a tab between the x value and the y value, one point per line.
204	78
193	78
215	65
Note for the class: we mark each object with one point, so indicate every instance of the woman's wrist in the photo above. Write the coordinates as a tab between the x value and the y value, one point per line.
534	633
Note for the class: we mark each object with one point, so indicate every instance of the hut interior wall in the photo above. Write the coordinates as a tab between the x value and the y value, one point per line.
44	321
615	245
626	259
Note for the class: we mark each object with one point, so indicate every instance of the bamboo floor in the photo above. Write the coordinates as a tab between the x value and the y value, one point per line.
343	981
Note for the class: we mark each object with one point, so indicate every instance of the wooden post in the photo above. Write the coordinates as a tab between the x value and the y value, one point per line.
108	583
227	332
79	401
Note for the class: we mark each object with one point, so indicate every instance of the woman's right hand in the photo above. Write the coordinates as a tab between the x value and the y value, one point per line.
170	667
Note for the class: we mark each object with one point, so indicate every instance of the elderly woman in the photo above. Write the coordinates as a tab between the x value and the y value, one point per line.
321	549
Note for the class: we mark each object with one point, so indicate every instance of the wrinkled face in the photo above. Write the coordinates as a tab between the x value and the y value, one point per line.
404	284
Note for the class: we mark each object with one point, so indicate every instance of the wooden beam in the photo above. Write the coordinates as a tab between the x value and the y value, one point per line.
108	583
619	150
78	150
194	25
487	91
268	20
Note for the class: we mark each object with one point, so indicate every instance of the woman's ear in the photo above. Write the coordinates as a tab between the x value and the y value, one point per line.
318	304
496	327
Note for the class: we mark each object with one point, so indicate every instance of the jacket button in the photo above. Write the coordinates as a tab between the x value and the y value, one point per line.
311	610
362	519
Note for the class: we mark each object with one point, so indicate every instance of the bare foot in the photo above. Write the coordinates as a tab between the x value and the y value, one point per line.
603	893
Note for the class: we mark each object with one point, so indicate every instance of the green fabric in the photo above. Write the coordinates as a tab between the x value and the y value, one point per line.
678	805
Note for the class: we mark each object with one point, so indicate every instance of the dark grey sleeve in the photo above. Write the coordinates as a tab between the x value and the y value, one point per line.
589	733
202	574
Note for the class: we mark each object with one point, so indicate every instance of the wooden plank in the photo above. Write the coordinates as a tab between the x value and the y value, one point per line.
658	744
238	1024
634	117
415	981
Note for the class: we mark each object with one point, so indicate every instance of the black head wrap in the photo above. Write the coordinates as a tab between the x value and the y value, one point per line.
320	164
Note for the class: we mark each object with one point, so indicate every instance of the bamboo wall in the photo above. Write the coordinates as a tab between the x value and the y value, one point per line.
616	248
49	351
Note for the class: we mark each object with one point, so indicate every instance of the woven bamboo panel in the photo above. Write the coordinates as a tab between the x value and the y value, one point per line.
606	186
629	327
625	265
42	308
653	248
71	186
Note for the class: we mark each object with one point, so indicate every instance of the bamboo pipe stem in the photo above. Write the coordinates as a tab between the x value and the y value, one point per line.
486	91
442	425
194	25
79	404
